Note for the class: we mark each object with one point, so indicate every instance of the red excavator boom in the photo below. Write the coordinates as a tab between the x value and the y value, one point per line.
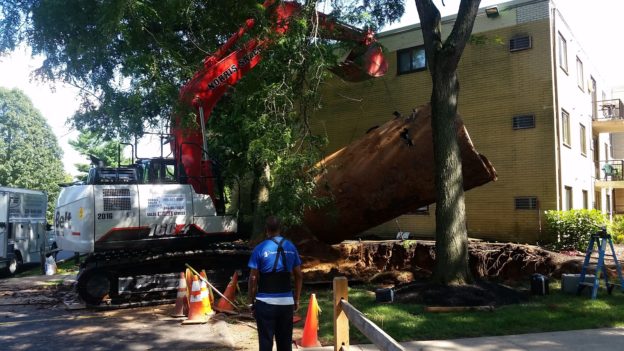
225	68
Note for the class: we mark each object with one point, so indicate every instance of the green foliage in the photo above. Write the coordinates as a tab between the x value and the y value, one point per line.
261	131
130	59
89	143
616	229
572	229
369	13
30	156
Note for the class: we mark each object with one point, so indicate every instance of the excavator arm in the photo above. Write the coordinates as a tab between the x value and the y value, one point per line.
225	68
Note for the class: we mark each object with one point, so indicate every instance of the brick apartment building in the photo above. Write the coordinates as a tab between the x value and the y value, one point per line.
532	103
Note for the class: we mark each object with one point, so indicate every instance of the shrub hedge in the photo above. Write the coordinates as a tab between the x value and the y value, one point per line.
572	229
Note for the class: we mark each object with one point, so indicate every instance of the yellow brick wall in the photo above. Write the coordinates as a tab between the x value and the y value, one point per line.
495	86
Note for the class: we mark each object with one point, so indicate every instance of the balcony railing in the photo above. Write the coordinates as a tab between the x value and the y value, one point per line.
611	170
609	109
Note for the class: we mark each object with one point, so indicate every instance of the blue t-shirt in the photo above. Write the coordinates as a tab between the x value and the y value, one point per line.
263	258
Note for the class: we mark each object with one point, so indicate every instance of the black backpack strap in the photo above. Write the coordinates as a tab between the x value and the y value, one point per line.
280	252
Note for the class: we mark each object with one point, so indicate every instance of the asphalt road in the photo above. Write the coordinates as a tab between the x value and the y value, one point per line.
32	317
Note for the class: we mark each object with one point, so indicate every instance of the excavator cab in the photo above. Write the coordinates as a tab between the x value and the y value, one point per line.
157	171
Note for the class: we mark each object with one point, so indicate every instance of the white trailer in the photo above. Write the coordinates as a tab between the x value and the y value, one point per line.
22	227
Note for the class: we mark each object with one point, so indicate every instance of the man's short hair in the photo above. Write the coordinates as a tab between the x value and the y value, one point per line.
272	224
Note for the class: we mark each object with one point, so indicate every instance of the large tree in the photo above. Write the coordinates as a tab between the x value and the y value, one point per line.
130	58
443	56
30	156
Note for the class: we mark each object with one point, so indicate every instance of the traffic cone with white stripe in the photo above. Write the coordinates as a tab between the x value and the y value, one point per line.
196	309
181	304
210	293
230	292
205	299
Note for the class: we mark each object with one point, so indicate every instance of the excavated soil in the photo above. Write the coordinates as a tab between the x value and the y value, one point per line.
406	265
401	262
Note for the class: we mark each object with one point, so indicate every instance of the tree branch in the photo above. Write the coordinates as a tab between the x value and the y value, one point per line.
456	41
430	23
453	47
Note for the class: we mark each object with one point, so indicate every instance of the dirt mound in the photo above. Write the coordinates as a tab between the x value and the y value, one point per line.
393	262
482	293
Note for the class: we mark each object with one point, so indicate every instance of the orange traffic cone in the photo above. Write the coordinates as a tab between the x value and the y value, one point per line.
208	302
310	328
230	293
205	299
196	309
210	294
181	304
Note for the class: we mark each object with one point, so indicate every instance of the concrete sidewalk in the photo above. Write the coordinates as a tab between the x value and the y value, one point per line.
606	339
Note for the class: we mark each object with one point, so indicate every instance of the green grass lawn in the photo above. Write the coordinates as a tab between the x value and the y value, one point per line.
404	322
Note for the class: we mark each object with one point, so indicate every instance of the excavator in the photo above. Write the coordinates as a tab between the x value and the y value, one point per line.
148	216
138	224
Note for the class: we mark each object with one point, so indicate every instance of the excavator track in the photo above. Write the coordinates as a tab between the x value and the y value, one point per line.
133	278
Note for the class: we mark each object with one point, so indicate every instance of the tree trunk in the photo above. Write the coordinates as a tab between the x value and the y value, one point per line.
442	59
259	195
451	235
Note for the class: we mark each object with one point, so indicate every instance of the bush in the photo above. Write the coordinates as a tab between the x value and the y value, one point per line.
572	229
617	229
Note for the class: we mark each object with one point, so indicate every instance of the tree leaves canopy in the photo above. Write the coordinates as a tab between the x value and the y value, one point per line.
130	58
30	156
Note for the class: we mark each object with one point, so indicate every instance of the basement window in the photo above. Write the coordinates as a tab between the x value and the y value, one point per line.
523	122
520	43
526	203
411	60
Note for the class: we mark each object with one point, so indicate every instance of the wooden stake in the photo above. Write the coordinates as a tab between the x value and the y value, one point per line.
341	322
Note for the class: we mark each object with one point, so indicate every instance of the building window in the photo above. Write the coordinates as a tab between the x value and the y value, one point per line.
579	74
563	53
567	200
526	203
565	125
597	199
608	203
583	137
523	122
520	43
411	60
585	199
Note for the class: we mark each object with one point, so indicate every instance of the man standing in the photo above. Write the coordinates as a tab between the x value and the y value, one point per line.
272	262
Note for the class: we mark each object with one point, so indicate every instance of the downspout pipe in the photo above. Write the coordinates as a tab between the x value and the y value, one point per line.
556	106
